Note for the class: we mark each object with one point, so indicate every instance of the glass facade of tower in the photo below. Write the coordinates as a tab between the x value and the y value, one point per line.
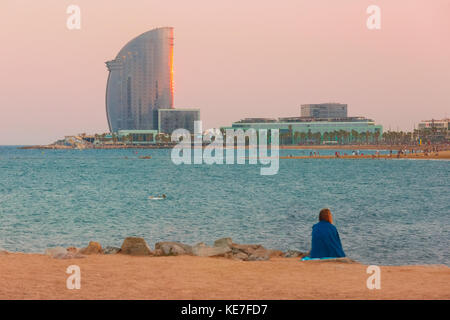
140	81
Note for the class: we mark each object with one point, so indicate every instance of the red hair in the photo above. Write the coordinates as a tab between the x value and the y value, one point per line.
325	215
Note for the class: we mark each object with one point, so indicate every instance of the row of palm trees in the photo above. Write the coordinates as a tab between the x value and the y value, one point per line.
334	137
126	139
342	137
423	136
368	137
398	137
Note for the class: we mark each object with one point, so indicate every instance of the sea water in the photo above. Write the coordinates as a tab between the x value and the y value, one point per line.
389	212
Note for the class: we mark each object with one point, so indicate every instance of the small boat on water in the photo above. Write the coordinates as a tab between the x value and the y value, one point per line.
157	198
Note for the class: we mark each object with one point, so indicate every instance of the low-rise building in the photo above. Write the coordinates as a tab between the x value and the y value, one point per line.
319	124
171	119
137	137
319	131
438	124
433	131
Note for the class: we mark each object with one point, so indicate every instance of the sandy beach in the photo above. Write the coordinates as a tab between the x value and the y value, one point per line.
441	155
37	276
364	147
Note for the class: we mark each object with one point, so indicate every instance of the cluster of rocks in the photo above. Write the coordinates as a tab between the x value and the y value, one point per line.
137	246
63	253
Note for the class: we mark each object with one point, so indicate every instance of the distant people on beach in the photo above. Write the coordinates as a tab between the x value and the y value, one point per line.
325	238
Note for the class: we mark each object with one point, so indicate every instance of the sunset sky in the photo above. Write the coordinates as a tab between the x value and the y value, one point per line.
232	59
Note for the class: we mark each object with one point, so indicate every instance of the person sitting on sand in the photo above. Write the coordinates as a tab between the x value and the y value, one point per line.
325	238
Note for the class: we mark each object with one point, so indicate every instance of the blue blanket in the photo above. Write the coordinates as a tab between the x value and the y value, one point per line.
325	241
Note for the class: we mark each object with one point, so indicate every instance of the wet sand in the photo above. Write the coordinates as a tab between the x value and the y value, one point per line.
36	276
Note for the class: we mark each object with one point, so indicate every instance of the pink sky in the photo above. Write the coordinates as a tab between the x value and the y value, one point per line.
233	59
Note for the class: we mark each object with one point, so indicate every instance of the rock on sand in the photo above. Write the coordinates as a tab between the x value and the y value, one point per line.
92	248
62	253
111	250
246	252
202	250
172	248
135	246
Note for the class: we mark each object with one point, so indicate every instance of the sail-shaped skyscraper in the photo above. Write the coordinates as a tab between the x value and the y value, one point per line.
140	81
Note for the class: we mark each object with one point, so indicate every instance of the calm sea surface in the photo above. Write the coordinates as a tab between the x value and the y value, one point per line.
387	211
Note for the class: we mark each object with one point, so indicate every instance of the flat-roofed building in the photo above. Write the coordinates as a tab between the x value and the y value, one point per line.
438	124
137	137
302	130
258	120
434	130
324	110
171	119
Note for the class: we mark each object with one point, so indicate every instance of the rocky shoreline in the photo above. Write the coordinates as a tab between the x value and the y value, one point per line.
226	270
137	246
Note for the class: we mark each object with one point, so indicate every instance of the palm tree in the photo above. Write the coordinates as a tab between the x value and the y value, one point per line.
303	137
334	135
340	136
309	135
290	134
369	136
347	137
354	135
377	136
296	137
283	137
317	137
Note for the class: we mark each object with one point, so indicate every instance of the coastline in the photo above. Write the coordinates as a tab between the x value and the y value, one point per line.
362	147
441	155
119	276
281	147
419	154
